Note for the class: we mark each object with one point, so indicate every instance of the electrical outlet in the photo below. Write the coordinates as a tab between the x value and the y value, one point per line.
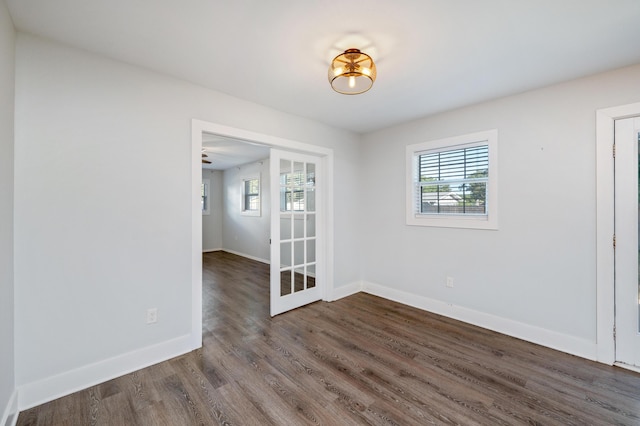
450	282
152	315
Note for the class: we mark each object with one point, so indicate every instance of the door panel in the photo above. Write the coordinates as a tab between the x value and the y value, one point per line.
295	178
627	290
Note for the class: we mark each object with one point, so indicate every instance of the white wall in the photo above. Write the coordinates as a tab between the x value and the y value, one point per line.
7	63
212	222
100	145
102	209
241	234
534	277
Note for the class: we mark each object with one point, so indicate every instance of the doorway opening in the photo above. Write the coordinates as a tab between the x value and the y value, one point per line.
626	249
607	190
235	197
202	129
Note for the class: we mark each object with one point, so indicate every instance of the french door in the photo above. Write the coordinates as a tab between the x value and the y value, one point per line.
627	251
296	240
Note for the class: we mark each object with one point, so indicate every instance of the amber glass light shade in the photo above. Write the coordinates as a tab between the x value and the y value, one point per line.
352	72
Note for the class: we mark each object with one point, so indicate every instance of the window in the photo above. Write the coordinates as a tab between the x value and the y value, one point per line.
453	182
293	186
204	196
251	196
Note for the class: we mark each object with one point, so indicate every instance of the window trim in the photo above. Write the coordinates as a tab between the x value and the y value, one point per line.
206	199
488	221
243	208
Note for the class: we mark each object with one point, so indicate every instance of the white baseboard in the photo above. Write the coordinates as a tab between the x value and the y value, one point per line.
248	256
10	416
627	366
345	290
50	388
551	339
211	250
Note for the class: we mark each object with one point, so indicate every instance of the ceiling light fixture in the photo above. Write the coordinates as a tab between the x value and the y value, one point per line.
352	72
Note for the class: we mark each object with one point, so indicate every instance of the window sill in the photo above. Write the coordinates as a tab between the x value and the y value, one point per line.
465	222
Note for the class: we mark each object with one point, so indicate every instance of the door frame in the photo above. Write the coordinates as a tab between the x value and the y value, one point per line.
198	127
605	216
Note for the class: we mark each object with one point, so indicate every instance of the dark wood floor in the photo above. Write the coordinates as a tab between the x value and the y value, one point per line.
360	360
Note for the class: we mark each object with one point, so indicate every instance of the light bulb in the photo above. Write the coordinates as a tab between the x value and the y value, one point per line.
352	82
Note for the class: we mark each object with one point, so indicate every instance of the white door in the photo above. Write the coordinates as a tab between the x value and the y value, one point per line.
296	213
627	251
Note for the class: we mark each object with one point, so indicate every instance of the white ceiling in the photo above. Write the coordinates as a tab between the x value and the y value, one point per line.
224	152
431	55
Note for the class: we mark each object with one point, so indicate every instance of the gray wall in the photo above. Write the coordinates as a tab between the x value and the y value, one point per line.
111	143
246	235
102	150
212	222
7	63
538	269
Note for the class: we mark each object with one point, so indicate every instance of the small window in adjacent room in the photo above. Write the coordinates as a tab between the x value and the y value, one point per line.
204	196
453	182
251	196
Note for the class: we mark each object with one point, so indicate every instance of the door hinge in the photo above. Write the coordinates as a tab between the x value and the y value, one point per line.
614	241
614	332
614	150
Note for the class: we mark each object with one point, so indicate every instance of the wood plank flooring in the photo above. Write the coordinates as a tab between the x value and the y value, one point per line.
360	360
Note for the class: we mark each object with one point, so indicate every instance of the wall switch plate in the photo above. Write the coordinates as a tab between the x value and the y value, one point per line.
152	315
450	282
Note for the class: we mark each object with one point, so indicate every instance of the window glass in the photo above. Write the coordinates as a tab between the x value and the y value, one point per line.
204	196
251	196
453	182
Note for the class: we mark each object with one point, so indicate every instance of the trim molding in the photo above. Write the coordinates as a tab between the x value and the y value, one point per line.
551	339
10	416
53	387
198	127
196	233
345	290
211	250
627	366
605	270
248	256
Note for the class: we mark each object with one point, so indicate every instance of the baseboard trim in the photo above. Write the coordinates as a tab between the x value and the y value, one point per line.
248	256
544	337
211	250
345	290
50	388
627	366
10	415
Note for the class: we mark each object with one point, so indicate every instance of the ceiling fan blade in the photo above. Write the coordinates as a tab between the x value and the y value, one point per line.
205	161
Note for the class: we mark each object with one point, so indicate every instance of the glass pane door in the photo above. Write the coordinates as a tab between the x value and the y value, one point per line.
294	179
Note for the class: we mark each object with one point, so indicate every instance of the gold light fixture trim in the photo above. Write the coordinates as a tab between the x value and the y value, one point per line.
352	72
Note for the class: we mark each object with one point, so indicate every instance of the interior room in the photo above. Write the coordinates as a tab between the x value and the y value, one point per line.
227	223
515	278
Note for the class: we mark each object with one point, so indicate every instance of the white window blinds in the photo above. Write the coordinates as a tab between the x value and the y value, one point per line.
453	182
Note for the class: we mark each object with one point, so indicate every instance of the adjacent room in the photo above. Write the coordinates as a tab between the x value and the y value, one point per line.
287	212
